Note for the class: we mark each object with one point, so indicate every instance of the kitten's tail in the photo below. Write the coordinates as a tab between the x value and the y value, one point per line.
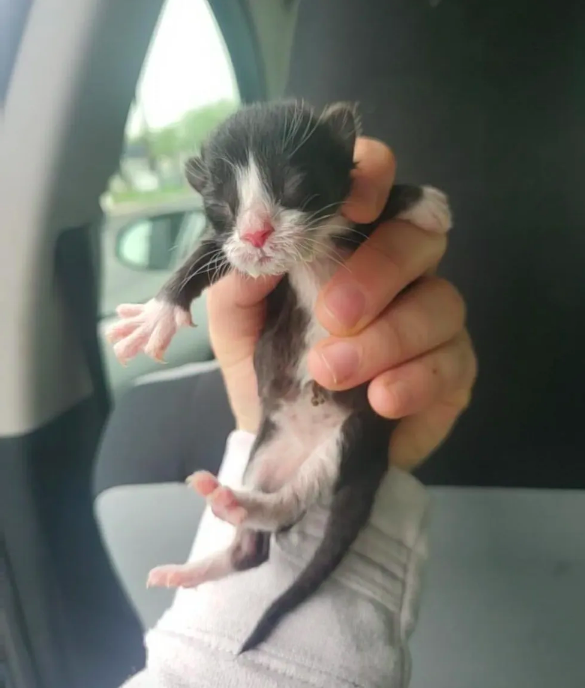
350	511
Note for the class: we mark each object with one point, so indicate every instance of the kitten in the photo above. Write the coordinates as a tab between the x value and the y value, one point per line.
273	178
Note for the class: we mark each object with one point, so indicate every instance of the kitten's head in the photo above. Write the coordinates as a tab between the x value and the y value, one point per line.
273	178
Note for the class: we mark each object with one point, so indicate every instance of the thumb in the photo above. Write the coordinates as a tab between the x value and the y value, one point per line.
237	309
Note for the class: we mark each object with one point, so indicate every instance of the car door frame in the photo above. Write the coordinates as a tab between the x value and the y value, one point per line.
72	621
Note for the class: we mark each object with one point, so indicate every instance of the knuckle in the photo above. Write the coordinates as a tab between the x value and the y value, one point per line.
393	340
451	292
440	245
397	400
412	331
375	149
472	369
451	301
387	156
468	360
461	400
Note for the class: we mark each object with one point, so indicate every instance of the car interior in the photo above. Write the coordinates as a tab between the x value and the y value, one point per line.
485	100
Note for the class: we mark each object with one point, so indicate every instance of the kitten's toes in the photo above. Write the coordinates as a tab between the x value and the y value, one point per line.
225	505
129	310
203	482
173	576
130	346
123	328
223	501
431	212
148	327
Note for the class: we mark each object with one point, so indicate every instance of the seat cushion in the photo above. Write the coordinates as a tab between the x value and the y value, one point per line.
168	425
503	604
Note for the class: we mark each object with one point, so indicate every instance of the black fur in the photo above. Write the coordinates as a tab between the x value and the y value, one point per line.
364	463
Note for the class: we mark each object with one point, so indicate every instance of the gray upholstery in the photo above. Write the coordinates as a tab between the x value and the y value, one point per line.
144	526
504	605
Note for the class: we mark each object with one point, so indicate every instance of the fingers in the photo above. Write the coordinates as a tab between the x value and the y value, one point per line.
237	292
418	436
421	319
237	309
395	255
372	180
418	384
434	411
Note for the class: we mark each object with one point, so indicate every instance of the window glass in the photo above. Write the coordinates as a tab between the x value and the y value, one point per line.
152	218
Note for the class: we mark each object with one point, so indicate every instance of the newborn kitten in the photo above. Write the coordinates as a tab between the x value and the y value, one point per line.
273	178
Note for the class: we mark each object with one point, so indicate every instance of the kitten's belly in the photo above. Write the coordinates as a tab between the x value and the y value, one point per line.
300	429
300	426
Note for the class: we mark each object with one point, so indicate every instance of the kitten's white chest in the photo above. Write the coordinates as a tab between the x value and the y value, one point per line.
307	280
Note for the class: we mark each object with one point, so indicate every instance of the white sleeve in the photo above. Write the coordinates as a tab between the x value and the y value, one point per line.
352	633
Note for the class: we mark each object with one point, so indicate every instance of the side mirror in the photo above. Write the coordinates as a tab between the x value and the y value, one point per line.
157	243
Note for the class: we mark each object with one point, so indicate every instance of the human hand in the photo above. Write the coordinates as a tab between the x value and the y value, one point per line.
410	343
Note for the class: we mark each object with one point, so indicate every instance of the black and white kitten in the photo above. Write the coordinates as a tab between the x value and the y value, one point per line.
273	178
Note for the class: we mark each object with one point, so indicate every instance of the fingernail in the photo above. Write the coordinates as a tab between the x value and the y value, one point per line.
341	359
346	303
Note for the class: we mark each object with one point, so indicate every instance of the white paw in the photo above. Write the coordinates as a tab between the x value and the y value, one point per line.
147	327
431	213
203	482
172	576
226	506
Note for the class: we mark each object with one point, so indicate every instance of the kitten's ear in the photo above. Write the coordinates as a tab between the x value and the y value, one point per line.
196	173
345	121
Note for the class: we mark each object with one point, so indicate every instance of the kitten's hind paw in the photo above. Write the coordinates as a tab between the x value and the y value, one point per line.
174	576
147	327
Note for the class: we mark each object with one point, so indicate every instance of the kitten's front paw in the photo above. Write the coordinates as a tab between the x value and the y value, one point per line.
223	501
431	213
225	505
147	327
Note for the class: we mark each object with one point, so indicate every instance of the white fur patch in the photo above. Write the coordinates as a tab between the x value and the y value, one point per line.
307	279
301	428
300	463
307	283
304	458
290	242
431	212
255	202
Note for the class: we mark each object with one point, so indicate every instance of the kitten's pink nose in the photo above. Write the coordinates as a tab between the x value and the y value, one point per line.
258	237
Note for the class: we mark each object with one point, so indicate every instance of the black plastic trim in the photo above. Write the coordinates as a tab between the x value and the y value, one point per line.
239	33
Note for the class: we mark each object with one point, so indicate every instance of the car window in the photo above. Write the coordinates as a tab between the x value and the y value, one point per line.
151	217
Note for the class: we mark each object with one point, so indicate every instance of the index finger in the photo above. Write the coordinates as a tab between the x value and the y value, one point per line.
373	177
396	254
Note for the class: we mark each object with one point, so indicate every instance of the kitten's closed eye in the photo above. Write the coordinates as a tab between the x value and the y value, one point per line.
293	196
220	213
